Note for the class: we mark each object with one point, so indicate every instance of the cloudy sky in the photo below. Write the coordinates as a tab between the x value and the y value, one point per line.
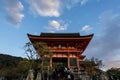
101	17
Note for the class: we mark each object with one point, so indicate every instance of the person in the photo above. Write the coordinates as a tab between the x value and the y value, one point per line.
57	75
68	74
54	74
62	73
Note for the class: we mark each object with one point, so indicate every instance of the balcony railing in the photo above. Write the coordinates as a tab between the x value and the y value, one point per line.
64	49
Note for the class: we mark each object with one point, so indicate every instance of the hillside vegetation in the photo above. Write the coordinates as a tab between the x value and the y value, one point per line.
9	61
13	68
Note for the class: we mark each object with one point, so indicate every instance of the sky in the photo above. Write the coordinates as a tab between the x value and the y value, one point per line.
98	17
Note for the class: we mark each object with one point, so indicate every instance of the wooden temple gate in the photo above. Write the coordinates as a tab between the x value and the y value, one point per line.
67	48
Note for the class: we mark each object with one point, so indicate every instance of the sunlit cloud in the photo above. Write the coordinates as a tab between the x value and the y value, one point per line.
55	25
70	3
52	8
86	28
45	7
14	8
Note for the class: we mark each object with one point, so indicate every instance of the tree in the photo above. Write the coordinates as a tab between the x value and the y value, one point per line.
43	50
113	73
31	55
40	48
92	66
9	67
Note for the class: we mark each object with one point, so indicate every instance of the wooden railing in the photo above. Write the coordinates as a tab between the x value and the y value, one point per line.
65	50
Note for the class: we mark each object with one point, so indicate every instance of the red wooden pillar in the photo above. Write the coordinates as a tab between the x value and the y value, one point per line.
77	57
68	56
68	60
51	62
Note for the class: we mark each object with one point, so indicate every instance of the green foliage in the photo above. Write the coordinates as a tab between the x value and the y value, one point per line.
114	71
42	49
16	68
8	61
93	63
46	62
13	67
44	52
30	51
92	66
32	56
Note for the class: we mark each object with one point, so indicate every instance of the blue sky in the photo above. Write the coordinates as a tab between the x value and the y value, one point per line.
101	17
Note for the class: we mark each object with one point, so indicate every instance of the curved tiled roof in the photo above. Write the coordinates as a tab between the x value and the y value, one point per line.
59	35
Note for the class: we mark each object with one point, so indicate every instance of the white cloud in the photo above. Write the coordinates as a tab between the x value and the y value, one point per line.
52	7
45	7
14	8
70	3
86	28
56	26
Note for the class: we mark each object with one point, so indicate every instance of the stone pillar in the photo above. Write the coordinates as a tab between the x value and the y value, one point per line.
30	75
39	76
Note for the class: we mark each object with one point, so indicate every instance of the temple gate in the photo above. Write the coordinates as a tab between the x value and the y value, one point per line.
67	48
